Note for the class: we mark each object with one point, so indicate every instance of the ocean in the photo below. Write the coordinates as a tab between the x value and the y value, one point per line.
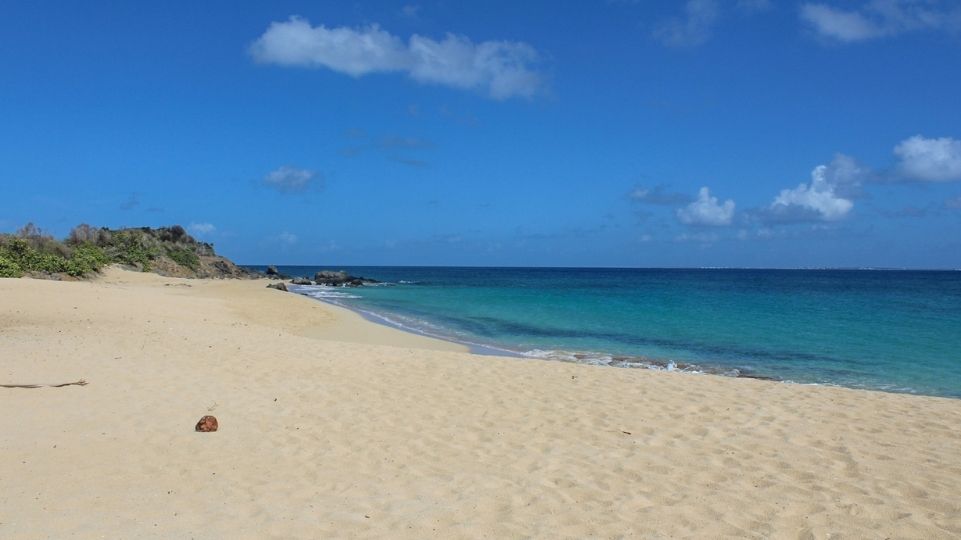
891	330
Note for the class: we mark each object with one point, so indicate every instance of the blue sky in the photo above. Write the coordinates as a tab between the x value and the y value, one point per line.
620	133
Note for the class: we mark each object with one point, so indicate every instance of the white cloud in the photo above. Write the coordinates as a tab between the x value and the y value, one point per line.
355	52
820	199
499	66
289	179
845	172
287	238
503	69
706	211
880	18
201	228
692	29
837	24
933	160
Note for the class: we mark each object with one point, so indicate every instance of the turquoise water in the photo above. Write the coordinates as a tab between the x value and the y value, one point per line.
888	330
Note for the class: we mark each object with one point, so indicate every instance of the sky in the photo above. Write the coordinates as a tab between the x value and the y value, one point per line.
704	133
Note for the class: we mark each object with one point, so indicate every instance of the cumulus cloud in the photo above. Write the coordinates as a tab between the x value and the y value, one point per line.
693	28
706	210
499	66
838	24
845	173
823	198
201	229
931	160
502	69
880	18
354	52
659	195
287	179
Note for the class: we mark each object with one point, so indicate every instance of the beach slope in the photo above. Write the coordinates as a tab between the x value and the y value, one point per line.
333	426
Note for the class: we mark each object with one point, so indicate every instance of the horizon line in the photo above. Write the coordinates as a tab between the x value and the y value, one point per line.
811	268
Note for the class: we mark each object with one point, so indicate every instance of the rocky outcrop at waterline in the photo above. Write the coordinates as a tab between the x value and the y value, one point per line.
340	279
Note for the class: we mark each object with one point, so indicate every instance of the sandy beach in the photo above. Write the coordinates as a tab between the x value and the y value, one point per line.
335	427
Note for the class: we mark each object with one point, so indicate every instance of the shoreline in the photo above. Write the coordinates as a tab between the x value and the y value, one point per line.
383	320
332	425
651	364
473	348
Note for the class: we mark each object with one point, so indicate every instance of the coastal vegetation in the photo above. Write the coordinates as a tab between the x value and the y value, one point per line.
86	250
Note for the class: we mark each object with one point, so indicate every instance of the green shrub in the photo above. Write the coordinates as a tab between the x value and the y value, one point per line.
45	262
86	259
17	256
17	247
184	257
28	259
131	248
8	267
87	249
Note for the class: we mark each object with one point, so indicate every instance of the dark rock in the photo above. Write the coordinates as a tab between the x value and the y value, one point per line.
206	424
301	281
220	268
327	277
340	279
278	286
273	273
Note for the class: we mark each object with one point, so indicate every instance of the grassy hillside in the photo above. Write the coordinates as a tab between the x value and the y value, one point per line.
165	250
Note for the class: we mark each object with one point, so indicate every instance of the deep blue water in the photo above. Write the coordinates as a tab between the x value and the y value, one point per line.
888	330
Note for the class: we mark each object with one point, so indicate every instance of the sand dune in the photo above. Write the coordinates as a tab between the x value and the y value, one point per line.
333	427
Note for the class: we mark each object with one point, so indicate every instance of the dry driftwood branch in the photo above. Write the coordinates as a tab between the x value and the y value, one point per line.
81	382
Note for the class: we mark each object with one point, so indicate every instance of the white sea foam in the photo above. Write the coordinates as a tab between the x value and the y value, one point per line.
404	323
597	359
326	294
322	291
603	359
551	355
